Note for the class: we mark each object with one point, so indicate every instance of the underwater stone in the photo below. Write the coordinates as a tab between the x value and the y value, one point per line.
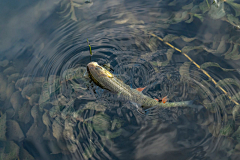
39	79
3	127
31	89
33	100
13	78
3	87
14	132
24	155
217	12
10	112
72	148
9	70
48	135
4	63
10	90
36	130
95	106
236	134
35	113
46	119
11	151
101	123
24	113
53	146
237	147
16	100
214	129
47	122
22	82
63	146
54	111
68	132
228	129
57	130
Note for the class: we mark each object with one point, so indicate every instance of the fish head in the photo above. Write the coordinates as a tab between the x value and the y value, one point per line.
98	74
96	70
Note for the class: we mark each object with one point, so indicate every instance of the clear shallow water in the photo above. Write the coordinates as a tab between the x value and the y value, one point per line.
49	111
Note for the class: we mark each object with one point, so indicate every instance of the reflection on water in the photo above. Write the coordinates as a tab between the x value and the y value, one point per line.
50	109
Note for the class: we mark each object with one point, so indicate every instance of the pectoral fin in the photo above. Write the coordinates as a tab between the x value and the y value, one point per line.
139	109
108	67
140	89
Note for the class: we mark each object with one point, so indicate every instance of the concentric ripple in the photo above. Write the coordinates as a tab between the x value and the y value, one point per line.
59	113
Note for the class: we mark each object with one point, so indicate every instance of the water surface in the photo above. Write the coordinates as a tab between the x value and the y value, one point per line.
50	111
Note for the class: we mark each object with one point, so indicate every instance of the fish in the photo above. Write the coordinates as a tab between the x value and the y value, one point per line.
108	81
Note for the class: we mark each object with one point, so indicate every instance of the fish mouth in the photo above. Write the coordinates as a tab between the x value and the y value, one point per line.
92	64
93	67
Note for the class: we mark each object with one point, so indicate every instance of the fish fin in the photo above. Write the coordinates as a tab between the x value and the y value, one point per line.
139	109
159	100
107	66
164	99
86	75
140	89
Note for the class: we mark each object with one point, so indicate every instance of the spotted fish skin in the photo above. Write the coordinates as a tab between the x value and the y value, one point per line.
106	80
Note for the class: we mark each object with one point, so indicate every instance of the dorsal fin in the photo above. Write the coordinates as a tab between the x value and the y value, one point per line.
107	66
140	89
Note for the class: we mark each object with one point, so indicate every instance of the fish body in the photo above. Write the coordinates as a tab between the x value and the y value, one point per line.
108	81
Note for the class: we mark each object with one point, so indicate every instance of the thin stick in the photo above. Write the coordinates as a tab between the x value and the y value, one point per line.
225	92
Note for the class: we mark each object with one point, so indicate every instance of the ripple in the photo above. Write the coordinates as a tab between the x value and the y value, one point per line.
75	119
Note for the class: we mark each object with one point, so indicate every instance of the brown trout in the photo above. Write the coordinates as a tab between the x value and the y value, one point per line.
106	80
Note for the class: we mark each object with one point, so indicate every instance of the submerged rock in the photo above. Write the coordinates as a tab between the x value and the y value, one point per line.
3	87
11	151
14	132
24	113
228	129
101	123
48	135
31	89
53	146
54	111
57	130
10	112
35	113
3	127
214	129
36	130
4	63
24	155
10	90
33	100
13	78
72	148
46	120
22	82
9	70
236	134
68	134
95	106
16	100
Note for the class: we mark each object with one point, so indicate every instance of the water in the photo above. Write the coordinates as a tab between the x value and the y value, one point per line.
49	110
